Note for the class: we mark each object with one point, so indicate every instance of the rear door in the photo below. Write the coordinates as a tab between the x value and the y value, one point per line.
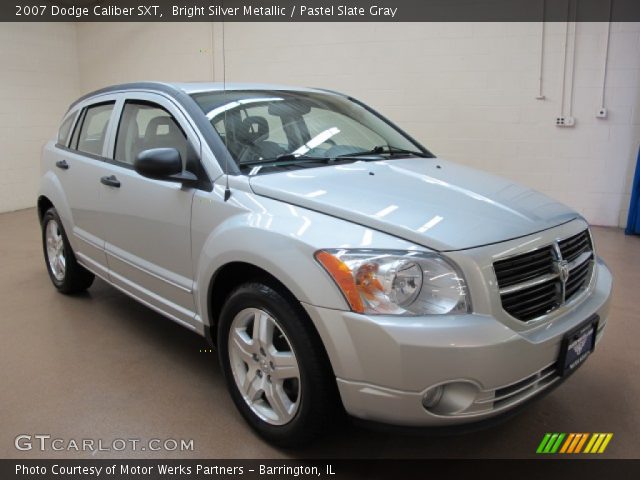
147	223
79	166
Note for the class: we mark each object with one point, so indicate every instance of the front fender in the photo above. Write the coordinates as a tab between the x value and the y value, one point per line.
276	237
289	260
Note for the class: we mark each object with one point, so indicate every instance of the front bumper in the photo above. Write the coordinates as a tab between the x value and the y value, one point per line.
385	365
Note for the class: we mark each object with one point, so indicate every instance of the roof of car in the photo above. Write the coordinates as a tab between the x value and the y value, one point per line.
191	87
196	87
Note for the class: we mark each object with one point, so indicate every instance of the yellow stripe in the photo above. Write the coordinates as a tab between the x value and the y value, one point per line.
584	439
596	445
575	442
592	440
606	442
567	442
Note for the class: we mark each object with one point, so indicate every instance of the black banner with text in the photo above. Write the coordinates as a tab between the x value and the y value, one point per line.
307	469
319	10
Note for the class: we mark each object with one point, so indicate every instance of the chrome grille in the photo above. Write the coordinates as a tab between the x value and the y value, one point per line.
512	394
524	267
535	283
572	247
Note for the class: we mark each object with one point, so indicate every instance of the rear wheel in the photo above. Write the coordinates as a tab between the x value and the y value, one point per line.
66	274
276	371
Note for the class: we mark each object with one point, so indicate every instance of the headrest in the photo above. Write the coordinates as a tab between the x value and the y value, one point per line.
153	127
253	129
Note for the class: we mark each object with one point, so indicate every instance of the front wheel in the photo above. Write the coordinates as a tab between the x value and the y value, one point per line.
66	274
275	368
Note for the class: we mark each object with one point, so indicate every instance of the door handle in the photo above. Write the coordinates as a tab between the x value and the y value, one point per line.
62	164
110	181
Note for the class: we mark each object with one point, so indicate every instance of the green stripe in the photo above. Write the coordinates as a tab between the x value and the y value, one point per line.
543	442
547	448
558	442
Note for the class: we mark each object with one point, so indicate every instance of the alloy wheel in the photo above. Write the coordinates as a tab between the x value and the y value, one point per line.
55	250
264	366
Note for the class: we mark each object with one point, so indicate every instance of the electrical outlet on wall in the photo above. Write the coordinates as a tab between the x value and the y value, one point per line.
602	113
565	121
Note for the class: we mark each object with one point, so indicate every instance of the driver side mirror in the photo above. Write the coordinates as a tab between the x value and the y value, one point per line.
162	164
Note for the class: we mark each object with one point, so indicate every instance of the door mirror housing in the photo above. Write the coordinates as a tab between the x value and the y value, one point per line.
162	164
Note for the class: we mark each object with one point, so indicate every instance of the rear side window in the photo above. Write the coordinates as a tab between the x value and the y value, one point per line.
65	130
94	128
144	126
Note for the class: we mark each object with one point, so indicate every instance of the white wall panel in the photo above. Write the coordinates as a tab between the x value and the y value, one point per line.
467	91
38	79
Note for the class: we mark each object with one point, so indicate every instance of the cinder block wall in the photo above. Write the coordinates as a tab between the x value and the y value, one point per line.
111	53
466	90
39	77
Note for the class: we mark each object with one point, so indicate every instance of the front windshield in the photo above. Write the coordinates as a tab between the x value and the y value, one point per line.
278	128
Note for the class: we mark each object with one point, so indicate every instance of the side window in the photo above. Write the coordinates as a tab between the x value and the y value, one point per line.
65	130
144	126
76	130
94	128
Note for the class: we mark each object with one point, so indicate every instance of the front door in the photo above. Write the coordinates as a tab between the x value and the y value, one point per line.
147	223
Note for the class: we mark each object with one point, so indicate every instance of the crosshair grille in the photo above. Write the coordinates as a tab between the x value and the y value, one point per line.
535	283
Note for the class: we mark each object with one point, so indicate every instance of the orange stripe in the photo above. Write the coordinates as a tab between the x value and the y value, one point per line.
584	439
574	443
567	442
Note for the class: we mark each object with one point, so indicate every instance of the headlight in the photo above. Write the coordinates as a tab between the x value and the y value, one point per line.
397	283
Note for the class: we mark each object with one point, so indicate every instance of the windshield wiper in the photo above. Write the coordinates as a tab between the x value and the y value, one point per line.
292	159
285	159
380	149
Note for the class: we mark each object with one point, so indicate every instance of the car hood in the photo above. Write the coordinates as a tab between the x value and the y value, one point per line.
428	201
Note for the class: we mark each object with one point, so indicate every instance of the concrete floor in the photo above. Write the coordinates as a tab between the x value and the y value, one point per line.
101	366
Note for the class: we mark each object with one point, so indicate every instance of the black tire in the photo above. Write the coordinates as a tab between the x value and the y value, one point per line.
318	407
75	278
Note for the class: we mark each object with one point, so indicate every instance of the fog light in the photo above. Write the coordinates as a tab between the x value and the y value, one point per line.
450	398
432	397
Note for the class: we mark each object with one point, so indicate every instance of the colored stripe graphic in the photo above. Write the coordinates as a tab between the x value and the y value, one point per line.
598	443
606	441
576	440
581	443
547	448
556	446
567	442
544	441
592	441
573	443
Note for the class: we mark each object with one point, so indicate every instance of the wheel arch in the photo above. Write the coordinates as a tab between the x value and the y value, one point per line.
230	276
233	274
43	205
51	194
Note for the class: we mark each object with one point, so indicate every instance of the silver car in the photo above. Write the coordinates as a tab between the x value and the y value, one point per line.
335	263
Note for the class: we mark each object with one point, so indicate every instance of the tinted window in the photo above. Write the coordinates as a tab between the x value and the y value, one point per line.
94	128
76	131
144	126
65	130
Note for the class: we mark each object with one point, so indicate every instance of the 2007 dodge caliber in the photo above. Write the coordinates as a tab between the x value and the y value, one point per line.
335	262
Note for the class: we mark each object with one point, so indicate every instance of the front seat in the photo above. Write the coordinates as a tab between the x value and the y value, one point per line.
252	134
